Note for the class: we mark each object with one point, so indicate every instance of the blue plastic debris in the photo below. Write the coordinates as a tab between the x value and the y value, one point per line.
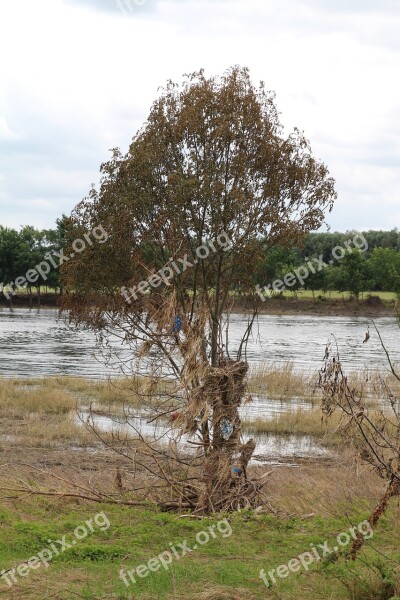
236	470
178	325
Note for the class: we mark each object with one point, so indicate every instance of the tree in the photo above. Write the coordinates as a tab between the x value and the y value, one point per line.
277	262
55	242
21	251
384	264
356	273
29	252
351	275
212	169
9	251
316	281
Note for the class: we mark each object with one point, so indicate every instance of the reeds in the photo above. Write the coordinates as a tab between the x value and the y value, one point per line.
23	398
281	381
297	422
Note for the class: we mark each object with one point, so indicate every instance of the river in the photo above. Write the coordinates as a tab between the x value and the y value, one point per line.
36	342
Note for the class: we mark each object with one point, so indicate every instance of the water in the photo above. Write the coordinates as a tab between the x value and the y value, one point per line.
302	339
270	448
37	343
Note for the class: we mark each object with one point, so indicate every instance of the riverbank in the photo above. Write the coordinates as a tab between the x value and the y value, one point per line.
370	306
44	447
49	300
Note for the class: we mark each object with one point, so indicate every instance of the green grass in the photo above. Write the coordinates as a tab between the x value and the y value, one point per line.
331	295
24	291
90	569
335	295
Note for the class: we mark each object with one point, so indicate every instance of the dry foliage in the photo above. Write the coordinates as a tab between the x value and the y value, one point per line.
374	434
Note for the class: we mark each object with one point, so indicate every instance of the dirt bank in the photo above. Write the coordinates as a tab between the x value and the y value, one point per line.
370	307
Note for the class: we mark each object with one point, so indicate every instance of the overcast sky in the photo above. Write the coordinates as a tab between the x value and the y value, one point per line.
78	77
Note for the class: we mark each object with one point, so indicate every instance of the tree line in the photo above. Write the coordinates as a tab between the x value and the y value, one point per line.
22	250
375	269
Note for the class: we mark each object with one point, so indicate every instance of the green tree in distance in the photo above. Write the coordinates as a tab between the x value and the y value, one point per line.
384	265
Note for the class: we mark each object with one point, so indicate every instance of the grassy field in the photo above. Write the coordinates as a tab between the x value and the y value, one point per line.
226	567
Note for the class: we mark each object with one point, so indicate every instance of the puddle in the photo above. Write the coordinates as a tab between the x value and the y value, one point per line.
266	408
292	446
270	447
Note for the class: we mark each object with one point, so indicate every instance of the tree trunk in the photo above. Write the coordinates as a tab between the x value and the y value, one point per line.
224	470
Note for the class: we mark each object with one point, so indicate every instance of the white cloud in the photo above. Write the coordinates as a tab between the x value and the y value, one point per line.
80	77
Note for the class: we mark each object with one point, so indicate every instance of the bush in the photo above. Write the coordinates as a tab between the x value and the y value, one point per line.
373	300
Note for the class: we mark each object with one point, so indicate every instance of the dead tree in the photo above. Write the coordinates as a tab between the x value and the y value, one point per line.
373	432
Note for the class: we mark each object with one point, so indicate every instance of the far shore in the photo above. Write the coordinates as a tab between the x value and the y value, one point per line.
370	306
324	306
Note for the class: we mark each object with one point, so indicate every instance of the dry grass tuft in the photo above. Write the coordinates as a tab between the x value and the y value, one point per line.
325	490
224	593
306	422
17	398
55	433
281	381
116	391
298	422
